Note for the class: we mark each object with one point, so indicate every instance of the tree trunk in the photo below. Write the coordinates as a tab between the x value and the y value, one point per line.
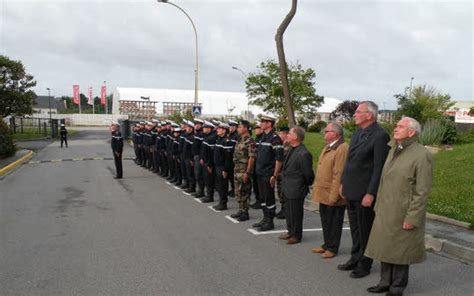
282	62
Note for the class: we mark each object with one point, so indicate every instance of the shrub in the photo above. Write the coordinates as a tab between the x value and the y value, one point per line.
317	127
7	147
303	123
281	123
465	137
450	134
388	127
433	132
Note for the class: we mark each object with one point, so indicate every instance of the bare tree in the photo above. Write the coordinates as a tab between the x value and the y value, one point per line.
282	61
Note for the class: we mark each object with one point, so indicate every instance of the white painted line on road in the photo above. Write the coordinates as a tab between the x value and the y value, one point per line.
56	160
168	183
255	232
231	219
198	200
33	162
176	187
187	193
77	159
211	207
98	158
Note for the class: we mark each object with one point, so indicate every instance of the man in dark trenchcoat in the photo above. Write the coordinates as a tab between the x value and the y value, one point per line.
397	237
359	183
297	176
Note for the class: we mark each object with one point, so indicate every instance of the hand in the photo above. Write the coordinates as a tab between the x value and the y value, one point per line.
191	162
340	192
209	169
245	178
367	200
224	175
118	154
407	226
272	181
201	162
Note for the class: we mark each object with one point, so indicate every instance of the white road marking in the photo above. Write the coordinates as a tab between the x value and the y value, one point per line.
198	200
211	207
56	160
33	161
255	232
176	187
231	219
77	159
187	193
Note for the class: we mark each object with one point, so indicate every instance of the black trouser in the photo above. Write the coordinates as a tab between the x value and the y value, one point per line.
142	155
294	211
190	173
360	220
394	276
184	173
198	173
137	153
209	180
176	171
222	185
255	187
149	157
163	163
118	164
63	139
267	195
231	179
332	219
156	159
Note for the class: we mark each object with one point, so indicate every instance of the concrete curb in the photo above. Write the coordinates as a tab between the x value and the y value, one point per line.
432	243
16	163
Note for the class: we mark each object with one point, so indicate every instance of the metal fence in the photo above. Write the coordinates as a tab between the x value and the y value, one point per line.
36	126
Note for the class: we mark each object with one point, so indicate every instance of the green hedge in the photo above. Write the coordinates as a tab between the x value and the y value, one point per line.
7	147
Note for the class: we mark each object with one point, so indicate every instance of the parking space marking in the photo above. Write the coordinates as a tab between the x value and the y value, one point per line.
211	207
231	219
256	232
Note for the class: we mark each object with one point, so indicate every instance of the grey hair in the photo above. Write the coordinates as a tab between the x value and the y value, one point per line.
299	132
372	107
413	124
337	127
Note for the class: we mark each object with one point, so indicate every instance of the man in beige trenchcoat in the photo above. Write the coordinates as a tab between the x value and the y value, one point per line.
397	236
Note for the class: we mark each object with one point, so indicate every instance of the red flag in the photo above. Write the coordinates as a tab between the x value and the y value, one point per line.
75	94
103	95
91	100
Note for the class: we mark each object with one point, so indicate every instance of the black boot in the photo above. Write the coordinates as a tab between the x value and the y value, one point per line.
221	206
191	189
256	205
258	224
237	215
199	193
281	214
267	225
207	199
243	217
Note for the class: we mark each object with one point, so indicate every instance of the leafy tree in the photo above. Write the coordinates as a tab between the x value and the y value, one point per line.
16	96
345	110
7	147
264	88
423	103
471	111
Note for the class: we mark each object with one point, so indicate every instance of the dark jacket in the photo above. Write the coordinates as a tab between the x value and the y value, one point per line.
197	143
223	153
297	173
367	153
117	142
207	148
269	150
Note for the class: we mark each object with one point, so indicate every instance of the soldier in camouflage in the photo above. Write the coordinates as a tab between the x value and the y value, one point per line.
245	152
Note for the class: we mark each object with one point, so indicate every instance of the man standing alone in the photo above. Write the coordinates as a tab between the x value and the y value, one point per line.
117	149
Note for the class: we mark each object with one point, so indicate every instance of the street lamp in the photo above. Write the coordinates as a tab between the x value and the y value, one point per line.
196	70
411	83
49	103
248	100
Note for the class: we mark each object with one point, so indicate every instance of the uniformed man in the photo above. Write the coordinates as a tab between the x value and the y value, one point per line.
184	172
117	149
258	202
154	135
198	168
141	147
269	161
135	141
169	151
165	129
282	133
156	149
176	157
233	137
223	164
188	156
148	145
207	160
244	155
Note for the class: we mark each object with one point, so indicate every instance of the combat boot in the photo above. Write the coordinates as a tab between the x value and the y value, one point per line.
256	205
236	215
199	193
243	217
259	223
220	207
267	225
190	189
207	199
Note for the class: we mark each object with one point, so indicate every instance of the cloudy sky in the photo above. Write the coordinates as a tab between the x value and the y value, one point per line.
359	49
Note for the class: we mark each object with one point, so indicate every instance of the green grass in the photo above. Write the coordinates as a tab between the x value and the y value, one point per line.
33	134
453	181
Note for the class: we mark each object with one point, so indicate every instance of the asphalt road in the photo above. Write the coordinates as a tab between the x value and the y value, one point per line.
69	228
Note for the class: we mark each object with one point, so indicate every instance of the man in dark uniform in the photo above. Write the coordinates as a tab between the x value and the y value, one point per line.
117	149
233	137
63	134
169	151
164	160
147	144
141	147
184	173
175	155
156	149
269	161
154	135
282	133
244	155
258	202
135	139
207	160
198	168
188	156
223	164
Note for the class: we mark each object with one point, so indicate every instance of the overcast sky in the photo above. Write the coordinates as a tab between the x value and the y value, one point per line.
359	49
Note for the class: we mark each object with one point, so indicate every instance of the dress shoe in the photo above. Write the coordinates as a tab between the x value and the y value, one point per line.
378	289
328	255
293	240
207	199
346	266
243	217
284	236
256	206
359	273
220	207
281	215
236	215
318	250
258	224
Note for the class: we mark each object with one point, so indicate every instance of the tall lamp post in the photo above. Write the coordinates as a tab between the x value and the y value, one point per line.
411	84
248	100
49	103
196	70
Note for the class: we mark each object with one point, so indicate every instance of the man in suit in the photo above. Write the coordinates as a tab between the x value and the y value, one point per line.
360	180
297	176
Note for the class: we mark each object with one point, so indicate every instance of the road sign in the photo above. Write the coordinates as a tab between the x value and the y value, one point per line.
197	110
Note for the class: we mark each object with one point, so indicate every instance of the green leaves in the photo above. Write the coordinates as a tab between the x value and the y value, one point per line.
264	89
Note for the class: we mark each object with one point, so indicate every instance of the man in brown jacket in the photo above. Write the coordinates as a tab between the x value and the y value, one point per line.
397	236
326	189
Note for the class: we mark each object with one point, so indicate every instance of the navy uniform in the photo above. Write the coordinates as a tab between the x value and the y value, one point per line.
188	157
169	151
164	170
154	150
175	148
147	145
63	134
270	151
281	195
142	144
258	202
234	138
207	157
196	149
223	164
117	148
135	141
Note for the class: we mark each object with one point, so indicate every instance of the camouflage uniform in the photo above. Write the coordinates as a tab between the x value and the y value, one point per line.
244	149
